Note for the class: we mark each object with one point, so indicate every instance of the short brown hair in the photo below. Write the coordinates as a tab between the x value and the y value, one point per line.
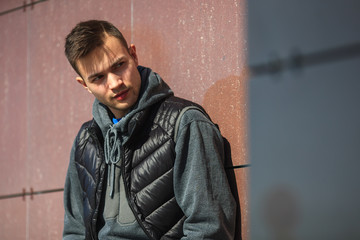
86	36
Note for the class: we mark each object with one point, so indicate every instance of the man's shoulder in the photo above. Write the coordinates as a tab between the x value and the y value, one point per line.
86	125
178	103
175	106
89	127
174	109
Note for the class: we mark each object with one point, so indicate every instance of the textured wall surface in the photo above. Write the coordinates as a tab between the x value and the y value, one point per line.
198	47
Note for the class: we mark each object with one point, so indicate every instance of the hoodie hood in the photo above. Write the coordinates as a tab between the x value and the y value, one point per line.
153	89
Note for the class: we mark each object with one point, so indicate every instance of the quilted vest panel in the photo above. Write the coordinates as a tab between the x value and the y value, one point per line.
147	170
89	157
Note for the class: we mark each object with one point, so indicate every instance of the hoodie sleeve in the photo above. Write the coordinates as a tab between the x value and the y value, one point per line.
74	228
200	183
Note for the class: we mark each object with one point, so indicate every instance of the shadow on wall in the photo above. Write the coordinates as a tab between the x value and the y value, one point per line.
230	172
224	102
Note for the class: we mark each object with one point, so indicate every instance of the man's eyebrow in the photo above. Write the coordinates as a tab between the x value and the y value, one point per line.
116	61
93	75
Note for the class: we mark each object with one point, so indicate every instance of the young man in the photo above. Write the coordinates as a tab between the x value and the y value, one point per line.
129	177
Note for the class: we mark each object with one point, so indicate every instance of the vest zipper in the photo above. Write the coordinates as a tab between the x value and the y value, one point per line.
127	194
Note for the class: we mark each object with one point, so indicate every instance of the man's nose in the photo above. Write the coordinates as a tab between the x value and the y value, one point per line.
114	80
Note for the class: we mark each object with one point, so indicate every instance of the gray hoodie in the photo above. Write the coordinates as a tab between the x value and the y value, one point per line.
200	183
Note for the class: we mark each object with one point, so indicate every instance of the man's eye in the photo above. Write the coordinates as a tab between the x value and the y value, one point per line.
117	65
97	78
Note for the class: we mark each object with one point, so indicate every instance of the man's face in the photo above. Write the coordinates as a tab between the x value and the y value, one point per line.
110	73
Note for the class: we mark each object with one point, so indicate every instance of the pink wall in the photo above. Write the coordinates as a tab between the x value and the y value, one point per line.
198	47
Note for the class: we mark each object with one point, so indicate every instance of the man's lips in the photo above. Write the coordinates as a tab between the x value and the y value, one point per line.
121	95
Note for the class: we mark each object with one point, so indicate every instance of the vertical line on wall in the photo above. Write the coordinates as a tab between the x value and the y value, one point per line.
132	21
27	203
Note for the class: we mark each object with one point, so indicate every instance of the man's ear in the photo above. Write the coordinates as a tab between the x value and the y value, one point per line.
132	51
82	82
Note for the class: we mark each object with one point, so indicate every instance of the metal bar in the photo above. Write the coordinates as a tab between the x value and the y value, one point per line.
21	7
31	193
49	191
238	166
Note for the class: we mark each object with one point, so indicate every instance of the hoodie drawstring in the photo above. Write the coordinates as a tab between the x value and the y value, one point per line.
112	151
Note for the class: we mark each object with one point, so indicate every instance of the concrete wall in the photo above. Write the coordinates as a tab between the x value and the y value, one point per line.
198	47
304	119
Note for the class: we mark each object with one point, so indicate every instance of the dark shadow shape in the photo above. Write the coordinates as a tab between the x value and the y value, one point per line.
230	173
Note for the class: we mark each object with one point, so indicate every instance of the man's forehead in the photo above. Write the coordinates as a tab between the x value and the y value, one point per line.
99	60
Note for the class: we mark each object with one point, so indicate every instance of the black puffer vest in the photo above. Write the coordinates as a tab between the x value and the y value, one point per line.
147	170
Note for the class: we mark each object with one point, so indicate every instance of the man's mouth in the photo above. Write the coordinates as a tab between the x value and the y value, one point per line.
121	95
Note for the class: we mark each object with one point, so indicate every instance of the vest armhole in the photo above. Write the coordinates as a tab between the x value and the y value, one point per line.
177	123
